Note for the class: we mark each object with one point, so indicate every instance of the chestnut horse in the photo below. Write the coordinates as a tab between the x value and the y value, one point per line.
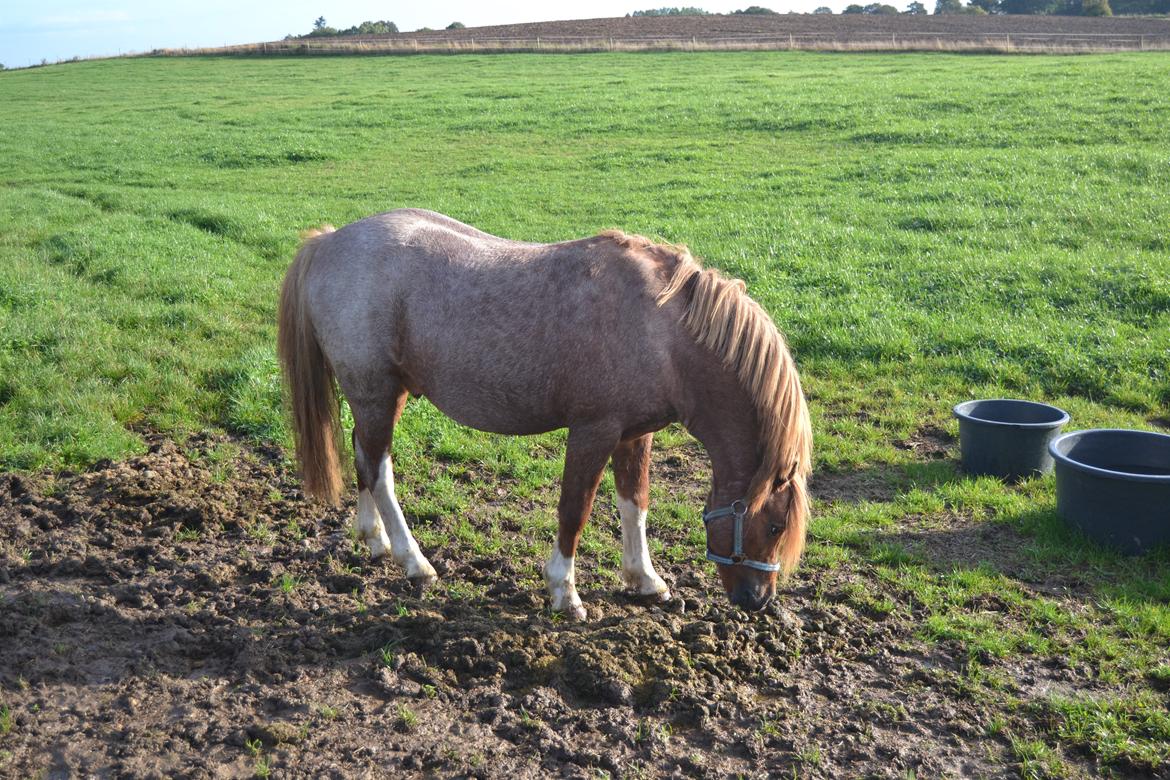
613	337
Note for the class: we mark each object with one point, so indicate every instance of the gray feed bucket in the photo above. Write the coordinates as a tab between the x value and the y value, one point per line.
1114	485
1006	438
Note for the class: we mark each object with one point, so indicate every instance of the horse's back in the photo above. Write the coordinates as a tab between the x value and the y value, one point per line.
501	335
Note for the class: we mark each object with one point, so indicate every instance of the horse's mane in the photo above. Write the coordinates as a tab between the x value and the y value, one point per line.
721	317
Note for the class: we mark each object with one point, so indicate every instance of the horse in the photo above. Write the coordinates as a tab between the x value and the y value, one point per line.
612	336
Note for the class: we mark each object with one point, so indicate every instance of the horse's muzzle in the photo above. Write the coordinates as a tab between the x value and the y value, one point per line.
752	598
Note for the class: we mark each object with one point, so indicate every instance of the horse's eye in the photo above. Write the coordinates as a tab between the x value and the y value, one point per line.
774	530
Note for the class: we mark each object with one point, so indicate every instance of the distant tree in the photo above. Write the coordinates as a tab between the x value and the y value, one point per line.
824	9
853	8
319	24
425	29
989	6
948	7
456	26
687	11
880	9
1	66
371	28
916	8
756	9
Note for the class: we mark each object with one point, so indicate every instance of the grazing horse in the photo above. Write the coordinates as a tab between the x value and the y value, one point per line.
613	337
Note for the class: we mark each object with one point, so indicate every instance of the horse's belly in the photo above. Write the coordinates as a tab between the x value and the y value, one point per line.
494	411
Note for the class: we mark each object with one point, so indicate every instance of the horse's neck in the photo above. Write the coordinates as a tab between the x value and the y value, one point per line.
720	416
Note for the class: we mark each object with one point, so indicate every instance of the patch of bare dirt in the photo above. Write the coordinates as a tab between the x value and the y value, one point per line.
167	616
869	484
929	443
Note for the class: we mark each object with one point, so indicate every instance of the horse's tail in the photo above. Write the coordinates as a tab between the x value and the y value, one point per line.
310	381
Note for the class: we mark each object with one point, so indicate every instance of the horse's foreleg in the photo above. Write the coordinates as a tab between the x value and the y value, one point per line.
631	477
373	431
588	450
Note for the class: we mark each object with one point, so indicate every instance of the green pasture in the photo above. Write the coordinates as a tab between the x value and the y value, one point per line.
925	228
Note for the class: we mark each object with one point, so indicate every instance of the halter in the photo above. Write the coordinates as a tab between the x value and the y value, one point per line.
738	510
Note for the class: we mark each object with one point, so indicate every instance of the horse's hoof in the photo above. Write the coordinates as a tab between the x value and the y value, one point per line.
421	582
649	589
575	613
652	597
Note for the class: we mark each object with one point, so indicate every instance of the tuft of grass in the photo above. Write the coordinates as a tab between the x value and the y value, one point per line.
810	754
293	530
1037	761
184	534
7	719
406	717
259	531
386	653
288	583
1133	731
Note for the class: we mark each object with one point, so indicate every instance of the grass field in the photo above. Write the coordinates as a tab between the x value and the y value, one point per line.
924	228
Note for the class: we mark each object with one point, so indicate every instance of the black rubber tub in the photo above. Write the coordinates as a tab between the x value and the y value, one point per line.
1006	438
1114	485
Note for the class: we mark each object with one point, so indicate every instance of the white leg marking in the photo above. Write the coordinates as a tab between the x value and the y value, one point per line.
562	585
637	570
368	524
402	544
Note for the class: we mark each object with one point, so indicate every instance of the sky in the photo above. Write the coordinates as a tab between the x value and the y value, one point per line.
59	29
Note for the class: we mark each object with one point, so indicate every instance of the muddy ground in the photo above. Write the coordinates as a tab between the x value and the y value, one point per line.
145	632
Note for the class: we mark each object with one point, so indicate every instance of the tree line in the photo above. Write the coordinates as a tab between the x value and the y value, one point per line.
322	29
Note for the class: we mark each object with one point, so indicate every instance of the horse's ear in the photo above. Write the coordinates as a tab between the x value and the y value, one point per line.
784	480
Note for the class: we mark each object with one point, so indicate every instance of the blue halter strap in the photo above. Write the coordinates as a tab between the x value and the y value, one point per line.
738	510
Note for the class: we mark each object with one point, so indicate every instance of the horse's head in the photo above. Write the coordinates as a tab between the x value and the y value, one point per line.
771	539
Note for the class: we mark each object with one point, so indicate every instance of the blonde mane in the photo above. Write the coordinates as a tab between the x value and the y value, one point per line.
721	317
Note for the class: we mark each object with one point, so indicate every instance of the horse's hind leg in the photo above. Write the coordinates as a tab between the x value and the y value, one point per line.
631	478
374	421
366	521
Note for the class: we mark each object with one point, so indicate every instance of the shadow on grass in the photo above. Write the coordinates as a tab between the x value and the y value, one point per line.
882	482
1033	547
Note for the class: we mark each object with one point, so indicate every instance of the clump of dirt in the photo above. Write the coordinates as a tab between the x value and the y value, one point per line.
189	613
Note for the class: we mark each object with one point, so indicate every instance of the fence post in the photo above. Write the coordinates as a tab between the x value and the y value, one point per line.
1143	43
